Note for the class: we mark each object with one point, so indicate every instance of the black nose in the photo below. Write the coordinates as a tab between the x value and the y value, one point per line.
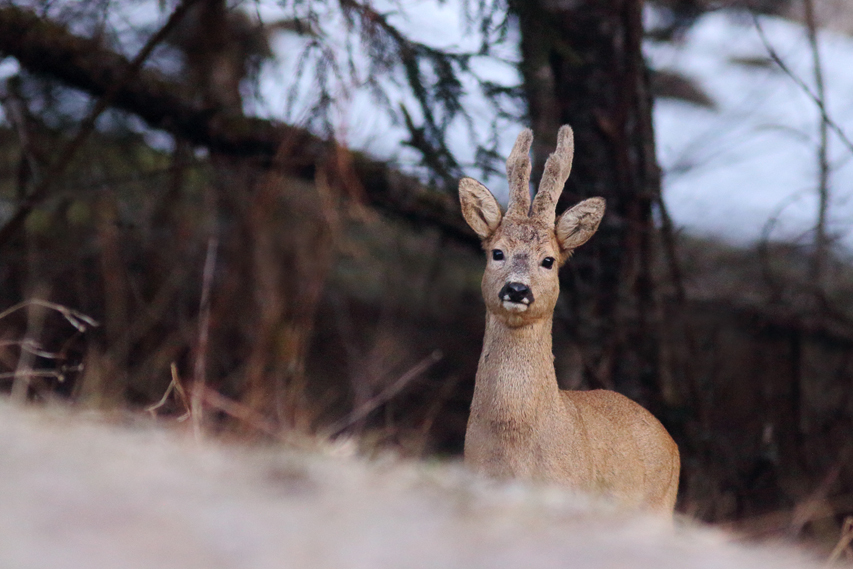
516	292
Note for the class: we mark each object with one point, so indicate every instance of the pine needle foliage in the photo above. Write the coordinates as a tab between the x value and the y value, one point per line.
434	81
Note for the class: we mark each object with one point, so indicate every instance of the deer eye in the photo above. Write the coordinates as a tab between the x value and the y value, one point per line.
497	255
548	262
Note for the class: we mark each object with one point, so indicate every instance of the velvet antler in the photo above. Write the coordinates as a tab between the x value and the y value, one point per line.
557	169
518	175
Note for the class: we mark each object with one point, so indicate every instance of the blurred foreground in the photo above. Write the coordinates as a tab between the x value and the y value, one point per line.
89	491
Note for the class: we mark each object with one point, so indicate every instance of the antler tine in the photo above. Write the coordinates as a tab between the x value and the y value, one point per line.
518	174
557	170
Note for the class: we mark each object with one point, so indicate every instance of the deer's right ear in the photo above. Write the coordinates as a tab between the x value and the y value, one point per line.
479	207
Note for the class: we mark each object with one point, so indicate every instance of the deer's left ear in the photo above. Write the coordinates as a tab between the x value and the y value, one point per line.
578	224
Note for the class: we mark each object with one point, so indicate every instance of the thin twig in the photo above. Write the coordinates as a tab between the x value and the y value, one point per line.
21	375
806	89
670	248
441	398
176	381
385	395
199	372
780	521
16	113
807	509
239	411
843	542
42	190
30	347
821	241
33	347
152	408
75	318
59	375
174	385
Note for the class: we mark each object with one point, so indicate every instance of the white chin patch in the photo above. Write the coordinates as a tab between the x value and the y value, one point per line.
514	306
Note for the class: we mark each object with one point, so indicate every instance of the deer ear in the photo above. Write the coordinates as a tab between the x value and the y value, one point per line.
479	207
578	224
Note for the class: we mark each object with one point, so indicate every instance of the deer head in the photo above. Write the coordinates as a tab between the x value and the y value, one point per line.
527	245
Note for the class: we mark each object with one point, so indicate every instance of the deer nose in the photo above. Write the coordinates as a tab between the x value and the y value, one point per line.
516	292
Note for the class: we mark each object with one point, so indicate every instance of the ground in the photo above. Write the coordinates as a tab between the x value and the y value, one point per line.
84	490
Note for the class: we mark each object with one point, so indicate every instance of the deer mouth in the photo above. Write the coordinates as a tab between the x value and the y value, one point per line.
516	306
516	297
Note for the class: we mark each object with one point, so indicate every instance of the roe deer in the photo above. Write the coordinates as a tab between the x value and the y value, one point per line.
522	425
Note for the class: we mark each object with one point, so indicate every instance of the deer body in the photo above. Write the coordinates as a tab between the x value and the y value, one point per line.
522	425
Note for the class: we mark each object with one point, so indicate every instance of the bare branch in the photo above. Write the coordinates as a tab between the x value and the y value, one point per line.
33	347
771	51
58	375
199	371
174	385
386	395
75	318
49	49
843	542
43	188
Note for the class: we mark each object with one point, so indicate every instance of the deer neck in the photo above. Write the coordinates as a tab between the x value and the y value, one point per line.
515	378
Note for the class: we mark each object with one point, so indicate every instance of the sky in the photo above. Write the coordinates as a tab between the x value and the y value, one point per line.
730	170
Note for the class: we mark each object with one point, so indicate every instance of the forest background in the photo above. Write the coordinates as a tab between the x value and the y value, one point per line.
246	212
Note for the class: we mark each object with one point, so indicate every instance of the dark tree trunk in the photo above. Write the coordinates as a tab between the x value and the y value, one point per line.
583	65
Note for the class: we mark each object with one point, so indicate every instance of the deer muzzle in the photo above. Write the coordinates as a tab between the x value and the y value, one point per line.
516	296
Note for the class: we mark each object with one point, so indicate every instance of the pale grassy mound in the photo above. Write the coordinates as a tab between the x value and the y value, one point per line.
77	491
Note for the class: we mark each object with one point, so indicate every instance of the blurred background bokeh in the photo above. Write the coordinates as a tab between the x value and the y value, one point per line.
247	210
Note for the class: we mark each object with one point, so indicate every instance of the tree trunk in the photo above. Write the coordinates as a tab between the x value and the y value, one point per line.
583	65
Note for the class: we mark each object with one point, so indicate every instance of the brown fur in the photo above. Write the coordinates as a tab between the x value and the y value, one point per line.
522	425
